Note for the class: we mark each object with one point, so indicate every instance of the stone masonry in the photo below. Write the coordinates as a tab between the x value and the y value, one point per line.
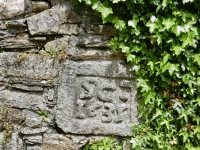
61	85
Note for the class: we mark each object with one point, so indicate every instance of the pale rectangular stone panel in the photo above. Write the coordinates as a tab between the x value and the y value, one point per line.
95	103
11	8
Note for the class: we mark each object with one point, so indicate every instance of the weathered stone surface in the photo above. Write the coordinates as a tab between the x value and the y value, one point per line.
59	73
13	43
15	143
28	66
10	115
27	88
58	44
42	39
38	6
2	25
59	142
97	41
36	139
108	30
96	98
4	35
21	100
11	8
52	21
34	131
90	16
32	119
109	69
16	23
34	148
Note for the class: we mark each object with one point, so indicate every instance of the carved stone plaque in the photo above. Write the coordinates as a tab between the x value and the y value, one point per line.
101	101
11	8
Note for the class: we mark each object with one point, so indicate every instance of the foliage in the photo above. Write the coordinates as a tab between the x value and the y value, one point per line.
44	115
161	41
59	55
104	144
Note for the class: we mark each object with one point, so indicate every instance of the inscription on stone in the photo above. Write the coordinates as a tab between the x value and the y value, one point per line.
89	104
108	101
11	8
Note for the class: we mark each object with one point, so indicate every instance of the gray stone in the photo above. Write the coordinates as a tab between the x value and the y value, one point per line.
15	142
50	95
4	35
28	66
38	6
34	148
36	139
41	39
97	98
2	25
69	29
16	23
59	142
34	131
108	30
32	119
11	8
27	88
90	16
58	45
52	21
15	43
97	41
103	69
21	100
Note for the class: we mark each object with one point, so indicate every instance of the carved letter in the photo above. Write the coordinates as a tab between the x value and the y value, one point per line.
93	107
80	111
107	113
120	113
87	90
106	92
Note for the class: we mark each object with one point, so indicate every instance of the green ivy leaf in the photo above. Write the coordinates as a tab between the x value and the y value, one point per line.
96	4
166	57
168	23
187	1
178	30
119	24
105	11
152	26
170	67
133	23
178	49
188	39
197	58
116	1
185	137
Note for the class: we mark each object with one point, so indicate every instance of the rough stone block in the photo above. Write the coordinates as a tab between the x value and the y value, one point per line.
27	66
38	6
11	8
95	41
97	98
52	21
36	139
108	30
59	142
21	100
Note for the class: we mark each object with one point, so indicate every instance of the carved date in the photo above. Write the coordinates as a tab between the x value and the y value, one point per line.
107	102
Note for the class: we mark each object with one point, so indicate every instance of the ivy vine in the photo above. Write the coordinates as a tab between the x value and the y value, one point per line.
161	41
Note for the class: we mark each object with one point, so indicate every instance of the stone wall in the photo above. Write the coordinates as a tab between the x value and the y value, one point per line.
61	85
